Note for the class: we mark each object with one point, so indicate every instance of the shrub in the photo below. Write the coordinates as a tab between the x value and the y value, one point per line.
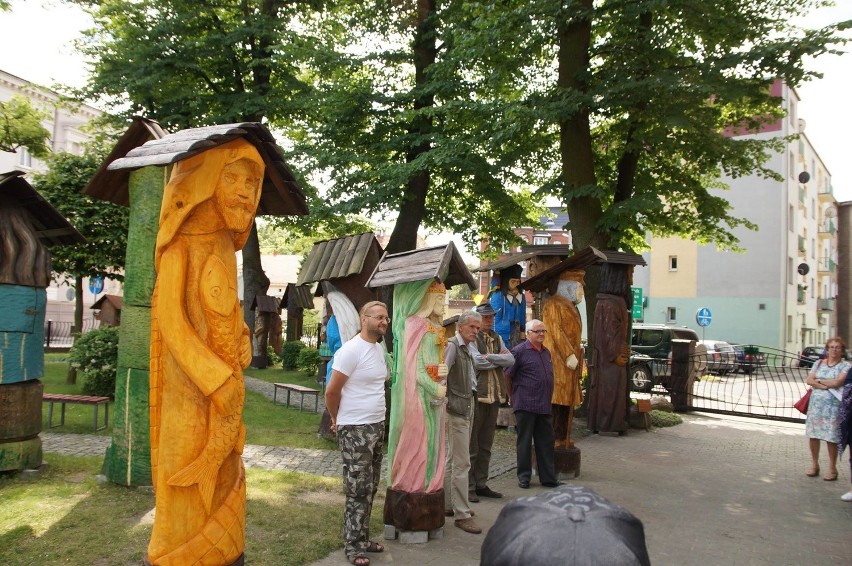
95	353
662	418
290	354
273	358
308	361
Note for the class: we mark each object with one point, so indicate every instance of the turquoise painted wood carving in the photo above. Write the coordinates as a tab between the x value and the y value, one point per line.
22	311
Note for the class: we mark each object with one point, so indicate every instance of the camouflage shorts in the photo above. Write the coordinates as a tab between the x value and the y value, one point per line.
361	448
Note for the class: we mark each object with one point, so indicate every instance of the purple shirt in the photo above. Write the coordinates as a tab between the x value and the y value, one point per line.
532	379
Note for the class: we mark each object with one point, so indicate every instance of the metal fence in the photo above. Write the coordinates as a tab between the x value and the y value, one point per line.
762	388
58	334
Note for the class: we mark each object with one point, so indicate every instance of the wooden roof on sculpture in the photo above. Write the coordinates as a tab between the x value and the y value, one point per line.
117	302
442	263
580	260
50	226
265	303
526	253
338	258
302	294
111	185
281	194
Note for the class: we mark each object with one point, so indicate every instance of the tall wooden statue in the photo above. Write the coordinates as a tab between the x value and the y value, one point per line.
27	224
414	505
561	314
510	304
199	346
608	391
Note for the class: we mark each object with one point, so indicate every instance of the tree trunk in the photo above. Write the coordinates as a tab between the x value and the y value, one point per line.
77	327
255	280
413	207
575	147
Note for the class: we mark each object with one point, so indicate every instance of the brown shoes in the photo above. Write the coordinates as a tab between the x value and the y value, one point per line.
450	513
469	526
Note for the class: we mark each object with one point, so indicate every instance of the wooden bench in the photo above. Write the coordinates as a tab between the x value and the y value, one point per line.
300	389
78	400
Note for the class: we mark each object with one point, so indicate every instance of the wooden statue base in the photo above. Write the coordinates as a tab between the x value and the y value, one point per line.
414	511
567	461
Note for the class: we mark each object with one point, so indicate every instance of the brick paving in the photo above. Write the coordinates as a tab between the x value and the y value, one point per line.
715	490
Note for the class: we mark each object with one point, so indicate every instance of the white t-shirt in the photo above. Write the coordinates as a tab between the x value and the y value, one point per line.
362	399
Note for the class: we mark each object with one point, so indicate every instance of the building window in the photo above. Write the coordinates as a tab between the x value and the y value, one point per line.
813	208
540	240
789	328
672	263
790	276
792	166
813	248
791	218
671	314
813	287
25	159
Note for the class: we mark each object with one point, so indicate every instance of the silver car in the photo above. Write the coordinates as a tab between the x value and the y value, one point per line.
721	357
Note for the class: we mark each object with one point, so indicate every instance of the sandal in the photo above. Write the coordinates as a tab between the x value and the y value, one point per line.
359	559
373	546
812	472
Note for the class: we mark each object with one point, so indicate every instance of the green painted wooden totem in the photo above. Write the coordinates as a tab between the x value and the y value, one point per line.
128	459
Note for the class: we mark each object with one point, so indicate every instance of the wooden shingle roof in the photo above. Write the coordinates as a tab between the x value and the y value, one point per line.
338	258
51	227
442	263
117	301
265	303
303	296
111	185
281	194
580	260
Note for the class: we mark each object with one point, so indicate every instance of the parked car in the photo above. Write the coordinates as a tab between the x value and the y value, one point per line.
721	358
651	355
749	358
641	375
810	355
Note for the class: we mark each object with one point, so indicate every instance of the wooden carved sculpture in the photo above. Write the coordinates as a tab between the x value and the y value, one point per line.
199	346
608	390
416	433
560	313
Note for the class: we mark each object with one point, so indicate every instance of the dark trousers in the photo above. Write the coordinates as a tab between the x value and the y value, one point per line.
535	429
481	440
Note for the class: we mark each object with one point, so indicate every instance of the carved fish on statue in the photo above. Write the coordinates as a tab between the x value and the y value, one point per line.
227	433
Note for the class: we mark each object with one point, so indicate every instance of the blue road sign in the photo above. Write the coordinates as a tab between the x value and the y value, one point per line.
96	285
703	317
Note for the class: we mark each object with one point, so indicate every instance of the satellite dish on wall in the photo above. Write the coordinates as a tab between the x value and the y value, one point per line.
804	177
803	269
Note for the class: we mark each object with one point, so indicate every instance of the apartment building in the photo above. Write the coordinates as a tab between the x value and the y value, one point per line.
781	292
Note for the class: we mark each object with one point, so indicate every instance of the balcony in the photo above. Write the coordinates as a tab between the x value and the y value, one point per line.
826	265
801	296
827	228
825	304
826	193
802	250
801	197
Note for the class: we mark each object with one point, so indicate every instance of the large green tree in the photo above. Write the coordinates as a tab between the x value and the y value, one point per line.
384	131
103	224
631	100
190	63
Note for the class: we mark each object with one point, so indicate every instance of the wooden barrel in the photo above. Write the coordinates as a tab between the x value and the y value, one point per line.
20	410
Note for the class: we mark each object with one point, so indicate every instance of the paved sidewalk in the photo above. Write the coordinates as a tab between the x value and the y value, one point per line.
716	490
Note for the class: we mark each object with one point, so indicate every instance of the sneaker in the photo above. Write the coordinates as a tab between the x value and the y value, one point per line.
846	496
488	492
471	496
469	526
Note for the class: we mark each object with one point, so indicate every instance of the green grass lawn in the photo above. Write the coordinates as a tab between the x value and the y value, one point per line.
65	517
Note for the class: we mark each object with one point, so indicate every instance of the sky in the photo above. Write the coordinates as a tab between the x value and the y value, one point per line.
38	35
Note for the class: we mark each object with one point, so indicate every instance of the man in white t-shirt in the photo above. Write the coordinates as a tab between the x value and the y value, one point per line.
355	398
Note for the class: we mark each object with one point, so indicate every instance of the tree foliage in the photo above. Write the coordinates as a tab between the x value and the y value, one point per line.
20	126
384	131
629	102
103	224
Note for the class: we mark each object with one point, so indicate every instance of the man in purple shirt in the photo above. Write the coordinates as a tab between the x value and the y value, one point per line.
530	382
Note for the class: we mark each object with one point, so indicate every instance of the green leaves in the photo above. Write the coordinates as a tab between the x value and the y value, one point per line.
20	126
